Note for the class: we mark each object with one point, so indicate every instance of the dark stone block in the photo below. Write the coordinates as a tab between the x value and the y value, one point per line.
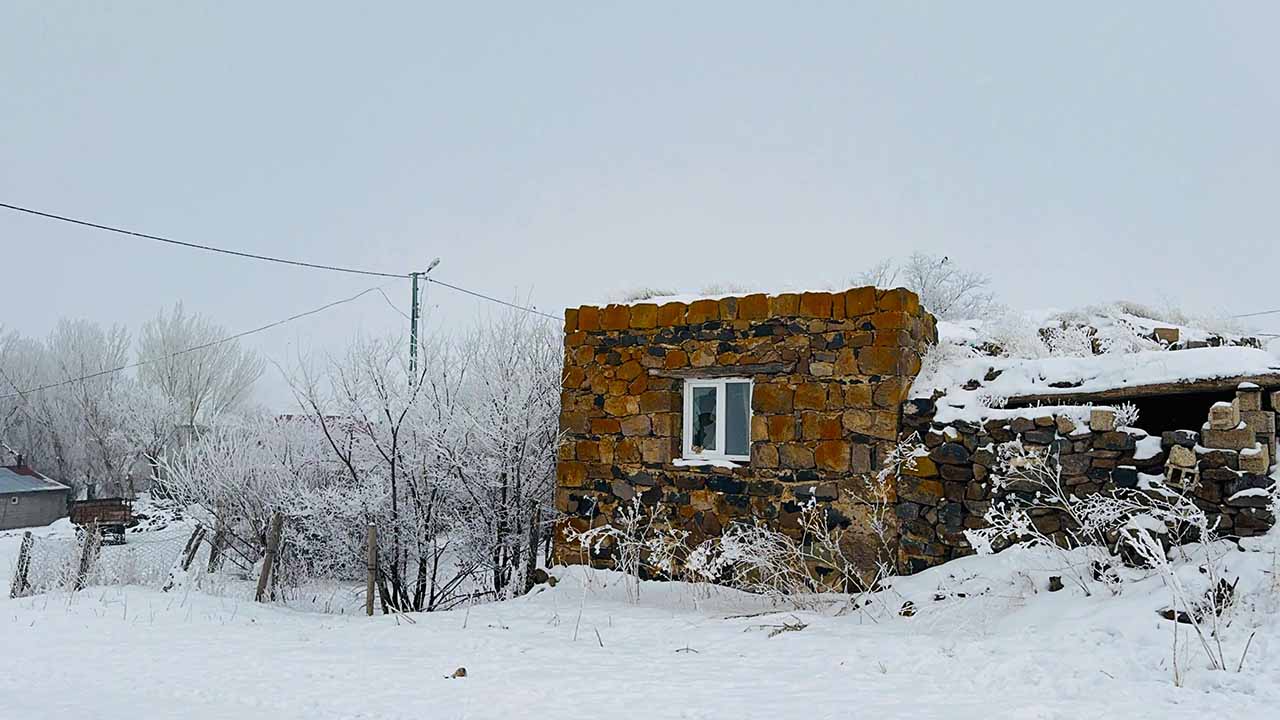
1247	482
956	473
950	454
1076	464
1114	441
1125	477
1040	437
726	485
766	488
1021	425
951	515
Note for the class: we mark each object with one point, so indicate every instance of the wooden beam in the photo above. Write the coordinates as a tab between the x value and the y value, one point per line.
1131	392
723	371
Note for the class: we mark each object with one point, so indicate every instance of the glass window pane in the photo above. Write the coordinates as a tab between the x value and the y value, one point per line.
737	419
703	422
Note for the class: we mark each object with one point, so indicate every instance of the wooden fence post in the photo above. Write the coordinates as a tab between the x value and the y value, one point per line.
215	547
371	566
20	584
88	553
193	547
273	545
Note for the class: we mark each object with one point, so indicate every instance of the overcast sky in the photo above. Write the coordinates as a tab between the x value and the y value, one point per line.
565	152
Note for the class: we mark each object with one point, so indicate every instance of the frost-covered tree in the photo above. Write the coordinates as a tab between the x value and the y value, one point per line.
945	290
452	463
188	364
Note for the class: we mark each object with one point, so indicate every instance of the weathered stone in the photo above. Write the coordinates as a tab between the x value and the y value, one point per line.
1039	437
950	454
1168	336
1224	416
784	305
659	401
1260	422
671	314
1074	464
1102	420
772	398
753	307
921	466
878	360
860	458
1181	457
1020	425
1248	398
1185	438
1116	440
1125	477
794	456
832	455
919	490
636	425
1235	439
811	396
875	423
1064	424
644	316
1255	460
1247	491
701	311
815	305
859	301
764	455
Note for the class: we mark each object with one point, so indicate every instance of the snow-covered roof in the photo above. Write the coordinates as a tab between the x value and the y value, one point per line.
1074	358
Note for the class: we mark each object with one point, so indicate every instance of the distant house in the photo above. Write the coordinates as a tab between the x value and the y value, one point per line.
28	498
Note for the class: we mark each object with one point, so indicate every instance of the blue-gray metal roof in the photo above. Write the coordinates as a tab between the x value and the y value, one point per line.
22	479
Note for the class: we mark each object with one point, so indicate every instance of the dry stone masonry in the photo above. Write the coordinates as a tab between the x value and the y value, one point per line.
831	374
1224	465
829	370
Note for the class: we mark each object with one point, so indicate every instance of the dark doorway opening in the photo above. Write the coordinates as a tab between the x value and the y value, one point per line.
1186	411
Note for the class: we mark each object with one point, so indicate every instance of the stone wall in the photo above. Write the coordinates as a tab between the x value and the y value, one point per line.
830	373
950	490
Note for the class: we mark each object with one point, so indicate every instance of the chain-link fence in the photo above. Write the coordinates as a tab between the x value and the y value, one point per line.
52	563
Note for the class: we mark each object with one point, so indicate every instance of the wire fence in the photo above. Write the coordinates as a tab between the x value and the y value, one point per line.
65	563
176	557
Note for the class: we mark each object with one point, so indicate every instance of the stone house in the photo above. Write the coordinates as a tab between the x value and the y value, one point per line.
750	408
734	409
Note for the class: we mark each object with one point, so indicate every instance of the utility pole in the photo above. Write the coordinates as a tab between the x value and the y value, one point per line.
414	314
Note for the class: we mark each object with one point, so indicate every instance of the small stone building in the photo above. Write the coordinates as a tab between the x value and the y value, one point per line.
752	408
29	499
734	409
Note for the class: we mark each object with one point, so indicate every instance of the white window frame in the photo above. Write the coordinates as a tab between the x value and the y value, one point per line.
721	417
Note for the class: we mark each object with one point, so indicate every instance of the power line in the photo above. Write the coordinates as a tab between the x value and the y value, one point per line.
267	258
482	296
184	351
197	246
1256	314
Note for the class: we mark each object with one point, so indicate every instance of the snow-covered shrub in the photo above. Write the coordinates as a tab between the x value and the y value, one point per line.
1126	415
630	539
1068	340
1030	497
945	290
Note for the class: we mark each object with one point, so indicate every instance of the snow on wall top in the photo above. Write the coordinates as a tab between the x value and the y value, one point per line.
1046	354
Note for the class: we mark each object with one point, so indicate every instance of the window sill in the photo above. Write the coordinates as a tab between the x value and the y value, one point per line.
698	462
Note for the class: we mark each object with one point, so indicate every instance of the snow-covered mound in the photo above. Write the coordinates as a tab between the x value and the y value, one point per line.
979	365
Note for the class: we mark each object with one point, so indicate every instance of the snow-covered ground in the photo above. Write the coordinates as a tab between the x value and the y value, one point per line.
987	641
